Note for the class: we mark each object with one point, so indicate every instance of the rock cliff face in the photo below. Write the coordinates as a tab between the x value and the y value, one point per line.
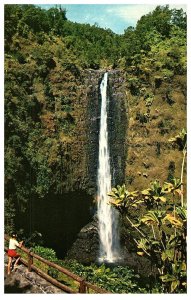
88	241
117	124
83	89
60	216
140	125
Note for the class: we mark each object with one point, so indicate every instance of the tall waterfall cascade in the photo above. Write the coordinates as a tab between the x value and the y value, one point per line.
107	215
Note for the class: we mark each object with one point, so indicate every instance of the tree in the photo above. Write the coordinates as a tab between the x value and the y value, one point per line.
158	20
12	14
36	18
179	18
57	18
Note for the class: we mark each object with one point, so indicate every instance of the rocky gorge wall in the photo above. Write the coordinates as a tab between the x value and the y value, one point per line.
140	126
139	152
83	90
117	125
60	215
143	116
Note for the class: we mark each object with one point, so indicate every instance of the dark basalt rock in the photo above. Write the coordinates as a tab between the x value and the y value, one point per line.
86	250
86	247
117	125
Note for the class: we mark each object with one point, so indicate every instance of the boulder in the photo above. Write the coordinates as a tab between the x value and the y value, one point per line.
86	247
86	250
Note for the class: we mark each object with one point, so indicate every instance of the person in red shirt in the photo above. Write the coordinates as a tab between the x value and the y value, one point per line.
13	244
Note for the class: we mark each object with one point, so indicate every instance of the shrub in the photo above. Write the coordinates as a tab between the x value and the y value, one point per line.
116	279
46	253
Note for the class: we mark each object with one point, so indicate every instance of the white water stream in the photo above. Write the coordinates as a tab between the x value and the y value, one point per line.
107	216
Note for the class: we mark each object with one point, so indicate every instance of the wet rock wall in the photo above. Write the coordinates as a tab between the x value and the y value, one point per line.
117	125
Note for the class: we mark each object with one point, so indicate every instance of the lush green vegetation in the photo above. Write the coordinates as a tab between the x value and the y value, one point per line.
115	279
159	227
45	56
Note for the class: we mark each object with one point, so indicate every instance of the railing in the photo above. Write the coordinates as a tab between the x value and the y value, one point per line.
84	286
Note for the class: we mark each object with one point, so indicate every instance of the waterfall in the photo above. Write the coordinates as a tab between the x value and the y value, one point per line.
107	216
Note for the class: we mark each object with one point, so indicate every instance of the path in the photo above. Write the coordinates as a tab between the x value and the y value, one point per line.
22	281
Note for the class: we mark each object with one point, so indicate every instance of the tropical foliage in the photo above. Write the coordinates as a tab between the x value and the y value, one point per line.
159	232
115	279
46	253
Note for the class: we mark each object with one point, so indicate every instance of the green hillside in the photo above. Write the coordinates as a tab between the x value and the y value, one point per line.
52	67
